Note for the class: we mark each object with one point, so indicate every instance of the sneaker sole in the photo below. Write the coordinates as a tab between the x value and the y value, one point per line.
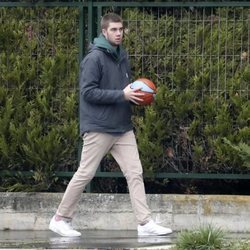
53	229
147	234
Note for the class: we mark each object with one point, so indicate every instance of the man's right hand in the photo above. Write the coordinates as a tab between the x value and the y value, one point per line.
132	94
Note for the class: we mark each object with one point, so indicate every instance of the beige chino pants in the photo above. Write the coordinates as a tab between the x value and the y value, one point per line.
124	150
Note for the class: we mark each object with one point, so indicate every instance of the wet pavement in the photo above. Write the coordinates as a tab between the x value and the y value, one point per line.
90	239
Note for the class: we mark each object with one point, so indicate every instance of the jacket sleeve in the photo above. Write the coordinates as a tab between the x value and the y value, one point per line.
90	76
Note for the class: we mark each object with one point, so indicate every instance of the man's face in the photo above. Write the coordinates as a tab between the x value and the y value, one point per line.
114	33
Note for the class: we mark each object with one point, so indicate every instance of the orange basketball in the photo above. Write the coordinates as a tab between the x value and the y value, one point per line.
148	89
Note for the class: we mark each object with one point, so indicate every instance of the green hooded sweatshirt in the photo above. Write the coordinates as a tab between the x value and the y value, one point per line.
101	42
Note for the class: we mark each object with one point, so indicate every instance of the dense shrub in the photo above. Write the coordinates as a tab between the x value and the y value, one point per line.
198	123
201	68
38	95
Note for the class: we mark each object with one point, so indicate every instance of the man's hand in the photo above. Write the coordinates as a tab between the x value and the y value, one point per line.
132	94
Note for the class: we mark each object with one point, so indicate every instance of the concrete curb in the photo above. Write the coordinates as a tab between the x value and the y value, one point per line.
113	211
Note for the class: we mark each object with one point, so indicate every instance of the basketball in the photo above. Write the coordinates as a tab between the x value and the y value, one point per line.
148	89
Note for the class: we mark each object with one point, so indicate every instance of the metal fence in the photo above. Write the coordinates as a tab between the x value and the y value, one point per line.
173	21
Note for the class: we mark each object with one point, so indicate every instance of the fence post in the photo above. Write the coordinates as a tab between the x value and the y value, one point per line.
90	20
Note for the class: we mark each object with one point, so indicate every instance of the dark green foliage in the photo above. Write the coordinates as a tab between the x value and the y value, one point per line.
201	69
38	95
196	56
243	150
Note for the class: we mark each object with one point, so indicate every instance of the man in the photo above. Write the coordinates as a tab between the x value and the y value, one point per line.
105	124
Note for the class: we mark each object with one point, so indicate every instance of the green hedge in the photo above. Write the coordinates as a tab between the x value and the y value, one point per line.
198	123
201	67
38	94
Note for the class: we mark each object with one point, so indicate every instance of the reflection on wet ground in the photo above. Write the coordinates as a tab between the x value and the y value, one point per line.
90	239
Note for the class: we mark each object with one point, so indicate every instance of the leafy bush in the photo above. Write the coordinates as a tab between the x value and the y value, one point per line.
202	73
243	150
194	55
38	95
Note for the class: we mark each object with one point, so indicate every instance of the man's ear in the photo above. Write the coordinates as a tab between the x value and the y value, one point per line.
104	32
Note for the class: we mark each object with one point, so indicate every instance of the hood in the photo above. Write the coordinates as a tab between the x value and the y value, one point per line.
103	43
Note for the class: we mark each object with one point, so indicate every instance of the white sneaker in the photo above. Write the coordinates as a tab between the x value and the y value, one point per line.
63	228
152	229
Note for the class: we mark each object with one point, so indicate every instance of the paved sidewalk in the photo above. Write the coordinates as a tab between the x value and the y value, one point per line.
90	239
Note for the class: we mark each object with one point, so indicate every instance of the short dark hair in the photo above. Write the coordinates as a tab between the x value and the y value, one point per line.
110	18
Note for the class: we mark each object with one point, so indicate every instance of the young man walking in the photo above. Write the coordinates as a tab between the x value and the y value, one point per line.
105	124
